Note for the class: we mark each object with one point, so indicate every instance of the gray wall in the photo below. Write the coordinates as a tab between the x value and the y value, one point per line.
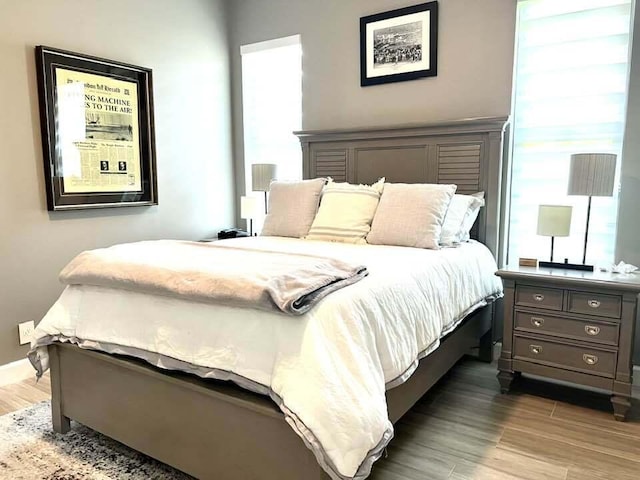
476	44
628	239
185	43
475	62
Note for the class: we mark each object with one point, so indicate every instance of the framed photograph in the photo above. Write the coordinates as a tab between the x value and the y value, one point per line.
399	45
98	142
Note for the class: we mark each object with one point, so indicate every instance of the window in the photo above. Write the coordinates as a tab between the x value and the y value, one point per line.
272	106
569	97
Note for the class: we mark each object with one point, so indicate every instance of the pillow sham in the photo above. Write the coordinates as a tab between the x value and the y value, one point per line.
292	207
461	216
411	215
345	212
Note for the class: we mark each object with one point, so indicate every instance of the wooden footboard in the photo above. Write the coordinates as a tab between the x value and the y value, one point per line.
207	428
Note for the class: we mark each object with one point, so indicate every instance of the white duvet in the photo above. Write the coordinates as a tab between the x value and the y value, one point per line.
327	369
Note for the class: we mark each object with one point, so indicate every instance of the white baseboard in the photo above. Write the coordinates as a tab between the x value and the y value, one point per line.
16	372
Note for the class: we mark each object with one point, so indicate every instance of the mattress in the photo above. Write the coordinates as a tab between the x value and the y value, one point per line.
327	369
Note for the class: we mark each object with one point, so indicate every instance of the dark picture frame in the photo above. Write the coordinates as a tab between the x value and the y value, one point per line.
98	136
399	45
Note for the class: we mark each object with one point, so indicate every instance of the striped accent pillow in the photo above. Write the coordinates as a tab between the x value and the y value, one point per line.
346	212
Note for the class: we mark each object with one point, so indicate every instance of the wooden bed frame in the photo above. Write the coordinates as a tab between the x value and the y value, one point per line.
212	429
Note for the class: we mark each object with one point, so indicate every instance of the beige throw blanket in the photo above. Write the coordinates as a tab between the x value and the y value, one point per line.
214	273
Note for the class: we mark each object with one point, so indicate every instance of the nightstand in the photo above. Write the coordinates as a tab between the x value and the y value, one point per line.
572	326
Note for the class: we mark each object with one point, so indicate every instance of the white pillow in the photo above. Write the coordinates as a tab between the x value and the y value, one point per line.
411	215
461	215
345	212
292	207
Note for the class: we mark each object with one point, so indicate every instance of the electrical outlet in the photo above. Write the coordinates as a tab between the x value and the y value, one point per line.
26	332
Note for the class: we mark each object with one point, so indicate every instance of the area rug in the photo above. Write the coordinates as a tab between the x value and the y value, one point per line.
30	450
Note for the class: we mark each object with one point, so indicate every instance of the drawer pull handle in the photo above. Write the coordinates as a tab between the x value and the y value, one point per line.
594	303
592	330
537	321
590	359
536	349
538	297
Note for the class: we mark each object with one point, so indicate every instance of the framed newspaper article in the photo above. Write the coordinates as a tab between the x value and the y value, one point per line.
97	126
399	45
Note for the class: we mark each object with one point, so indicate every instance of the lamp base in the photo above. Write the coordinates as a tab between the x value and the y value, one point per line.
567	265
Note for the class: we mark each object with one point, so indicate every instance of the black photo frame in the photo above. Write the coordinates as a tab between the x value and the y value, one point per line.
98	137
399	45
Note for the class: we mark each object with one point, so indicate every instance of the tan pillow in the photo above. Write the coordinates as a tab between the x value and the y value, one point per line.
292	207
345	212
411	215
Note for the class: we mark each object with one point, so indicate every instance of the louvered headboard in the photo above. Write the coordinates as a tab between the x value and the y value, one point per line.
466	152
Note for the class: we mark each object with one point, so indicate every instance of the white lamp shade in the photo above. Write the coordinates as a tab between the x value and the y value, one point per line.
248	207
592	174
554	220
261	176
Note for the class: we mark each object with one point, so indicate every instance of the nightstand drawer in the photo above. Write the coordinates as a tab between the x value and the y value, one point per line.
541	297
579	358
604	333
595	304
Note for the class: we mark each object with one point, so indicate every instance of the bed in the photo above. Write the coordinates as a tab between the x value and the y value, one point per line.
213	429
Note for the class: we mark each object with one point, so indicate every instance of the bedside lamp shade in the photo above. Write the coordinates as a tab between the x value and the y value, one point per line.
261	176
248	207
554	220
249	210
592	174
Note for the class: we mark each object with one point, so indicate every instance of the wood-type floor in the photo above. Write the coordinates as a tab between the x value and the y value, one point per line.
21	395
465	429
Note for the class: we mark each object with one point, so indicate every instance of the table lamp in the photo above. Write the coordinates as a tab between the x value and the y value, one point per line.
591	175
261	176
249	210
554	221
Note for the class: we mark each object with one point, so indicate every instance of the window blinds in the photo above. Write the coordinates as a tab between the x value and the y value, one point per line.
272	106
569	97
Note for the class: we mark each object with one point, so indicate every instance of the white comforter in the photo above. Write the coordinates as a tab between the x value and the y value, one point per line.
328	369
